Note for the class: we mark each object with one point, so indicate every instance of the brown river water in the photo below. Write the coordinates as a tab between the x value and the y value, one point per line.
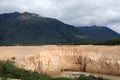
72	74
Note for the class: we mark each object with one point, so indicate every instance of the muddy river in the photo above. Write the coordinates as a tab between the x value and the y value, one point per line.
72	74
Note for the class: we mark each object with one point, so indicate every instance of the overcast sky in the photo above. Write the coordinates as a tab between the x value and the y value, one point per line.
74	12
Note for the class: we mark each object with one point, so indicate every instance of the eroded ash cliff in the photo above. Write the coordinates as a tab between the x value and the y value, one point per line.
56	59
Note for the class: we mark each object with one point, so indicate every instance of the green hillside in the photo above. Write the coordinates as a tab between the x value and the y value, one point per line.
106	42
32	29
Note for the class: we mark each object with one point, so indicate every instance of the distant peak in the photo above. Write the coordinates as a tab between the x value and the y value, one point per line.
15	13
30	14
27	15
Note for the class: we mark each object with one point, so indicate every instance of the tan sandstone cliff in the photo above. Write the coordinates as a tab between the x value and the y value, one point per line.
55	59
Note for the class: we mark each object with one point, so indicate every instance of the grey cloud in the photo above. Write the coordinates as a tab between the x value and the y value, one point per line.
74	12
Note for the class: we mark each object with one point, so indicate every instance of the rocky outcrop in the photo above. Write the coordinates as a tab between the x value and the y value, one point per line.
55	59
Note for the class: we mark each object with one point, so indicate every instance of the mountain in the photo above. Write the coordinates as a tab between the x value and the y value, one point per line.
98	33
29	28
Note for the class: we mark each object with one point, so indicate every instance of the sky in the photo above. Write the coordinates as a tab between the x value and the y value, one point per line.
73	12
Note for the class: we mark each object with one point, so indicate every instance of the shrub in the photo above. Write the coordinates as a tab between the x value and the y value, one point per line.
9	70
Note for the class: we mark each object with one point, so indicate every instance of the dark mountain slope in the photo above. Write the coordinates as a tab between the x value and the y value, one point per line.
32	29
99	33
27	28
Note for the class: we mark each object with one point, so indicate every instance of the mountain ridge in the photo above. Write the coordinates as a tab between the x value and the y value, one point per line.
98	33
24	28
32	29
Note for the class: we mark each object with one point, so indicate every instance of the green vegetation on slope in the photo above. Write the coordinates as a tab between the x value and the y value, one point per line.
9	70
107	42
110	42
30	29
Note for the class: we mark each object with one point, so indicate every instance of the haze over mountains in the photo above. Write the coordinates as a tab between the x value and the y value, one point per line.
98	33
29	28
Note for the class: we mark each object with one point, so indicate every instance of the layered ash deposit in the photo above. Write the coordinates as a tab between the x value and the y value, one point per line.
56	59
